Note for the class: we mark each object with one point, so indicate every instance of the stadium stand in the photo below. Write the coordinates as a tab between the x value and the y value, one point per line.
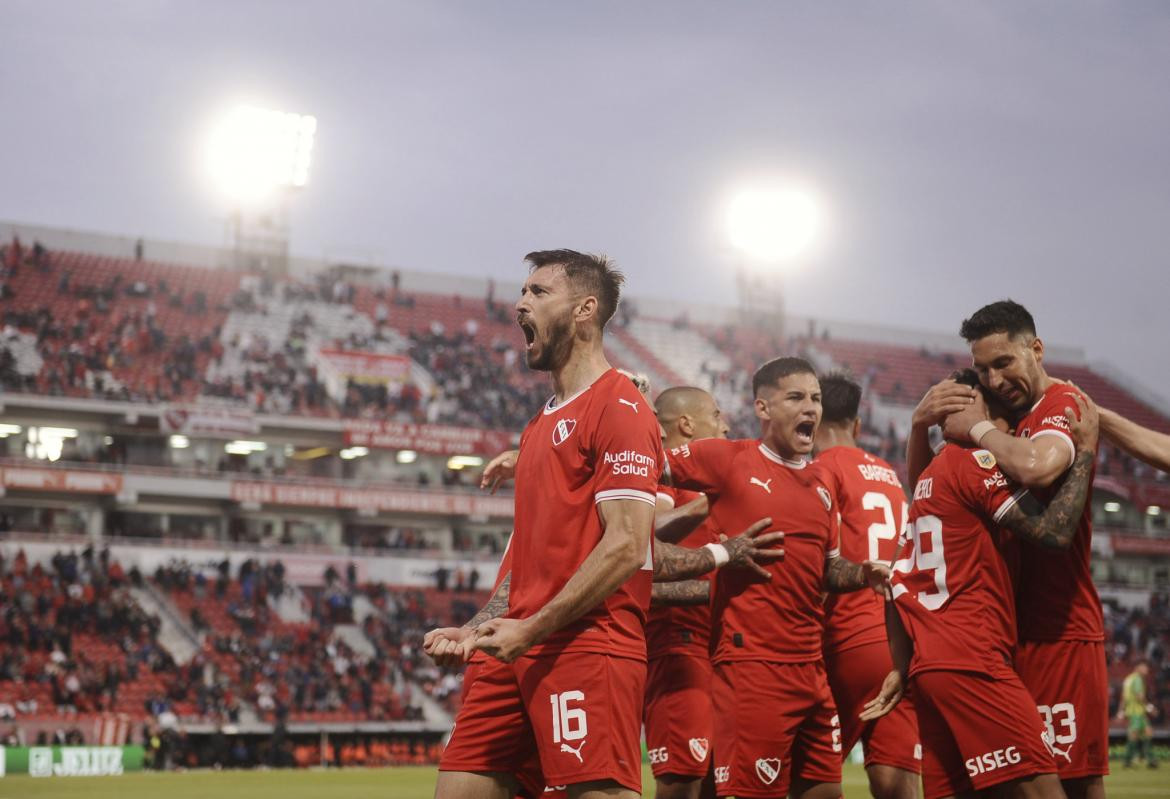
248	553
74	642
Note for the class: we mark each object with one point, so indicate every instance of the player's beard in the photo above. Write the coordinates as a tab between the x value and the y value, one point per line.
558	344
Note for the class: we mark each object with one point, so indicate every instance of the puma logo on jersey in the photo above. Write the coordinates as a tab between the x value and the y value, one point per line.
767	486
1054	750
633	405
563	430
768	769
574	752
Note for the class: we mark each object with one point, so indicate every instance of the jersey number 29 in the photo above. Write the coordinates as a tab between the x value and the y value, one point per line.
926	554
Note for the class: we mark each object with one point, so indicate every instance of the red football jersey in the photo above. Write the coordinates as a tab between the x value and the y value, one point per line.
1056	599
951	585
873	507
781	620
685	629
600	444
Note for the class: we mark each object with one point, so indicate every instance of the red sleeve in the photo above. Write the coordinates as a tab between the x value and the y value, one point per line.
830	495
983	486
627	451
701	465
1053	422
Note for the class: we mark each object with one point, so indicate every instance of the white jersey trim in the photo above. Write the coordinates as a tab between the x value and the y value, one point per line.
772	456
835	552
552	406
624	493
667	498
1065	437
1008	504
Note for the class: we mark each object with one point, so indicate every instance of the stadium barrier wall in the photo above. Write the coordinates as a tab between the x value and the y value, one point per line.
300	569
70	761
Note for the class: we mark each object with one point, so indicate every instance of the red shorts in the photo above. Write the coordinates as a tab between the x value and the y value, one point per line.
856	676
678	715
578	714
776	721
977	731
1069	681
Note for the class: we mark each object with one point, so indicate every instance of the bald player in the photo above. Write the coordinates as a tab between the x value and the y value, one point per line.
678	714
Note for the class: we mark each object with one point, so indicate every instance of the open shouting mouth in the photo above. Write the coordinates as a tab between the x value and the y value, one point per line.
805	431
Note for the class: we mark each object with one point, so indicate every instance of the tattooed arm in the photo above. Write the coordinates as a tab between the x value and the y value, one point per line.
746	551
495	607
843	575
682	592
1055	526
451	646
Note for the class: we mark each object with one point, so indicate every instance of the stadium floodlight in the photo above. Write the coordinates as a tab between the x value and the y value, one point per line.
7	430
252	152
775	223
1154	510
1112	507
406	456
350	453
179	442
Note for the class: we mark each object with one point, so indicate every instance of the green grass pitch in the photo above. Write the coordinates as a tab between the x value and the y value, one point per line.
388	783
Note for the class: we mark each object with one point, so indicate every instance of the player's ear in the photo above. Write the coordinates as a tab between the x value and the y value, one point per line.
686	426
762	410
586	309
857	428
1038	349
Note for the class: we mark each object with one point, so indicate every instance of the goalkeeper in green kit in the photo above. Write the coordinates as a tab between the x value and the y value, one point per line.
1136	711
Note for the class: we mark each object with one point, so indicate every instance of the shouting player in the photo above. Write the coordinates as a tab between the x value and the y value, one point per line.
581	563
776	730
872	504
678	715
1061	655
569	616
954	627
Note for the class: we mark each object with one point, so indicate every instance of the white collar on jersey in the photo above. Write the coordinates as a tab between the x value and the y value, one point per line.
552	407
772	456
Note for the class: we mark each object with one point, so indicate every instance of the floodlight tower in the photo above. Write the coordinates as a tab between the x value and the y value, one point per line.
259	159
771	228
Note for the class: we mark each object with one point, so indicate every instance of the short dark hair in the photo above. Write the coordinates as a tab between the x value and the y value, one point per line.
778	368
966	377
590	274
840	398
1005	316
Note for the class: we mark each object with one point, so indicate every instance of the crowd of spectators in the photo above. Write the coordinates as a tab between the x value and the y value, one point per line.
290	670
45	612
475	385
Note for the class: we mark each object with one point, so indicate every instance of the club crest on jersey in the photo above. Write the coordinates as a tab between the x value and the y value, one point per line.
984	458
768	769
563	430
699	749
825	496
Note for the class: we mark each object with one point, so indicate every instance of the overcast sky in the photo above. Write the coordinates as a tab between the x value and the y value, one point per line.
965	151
